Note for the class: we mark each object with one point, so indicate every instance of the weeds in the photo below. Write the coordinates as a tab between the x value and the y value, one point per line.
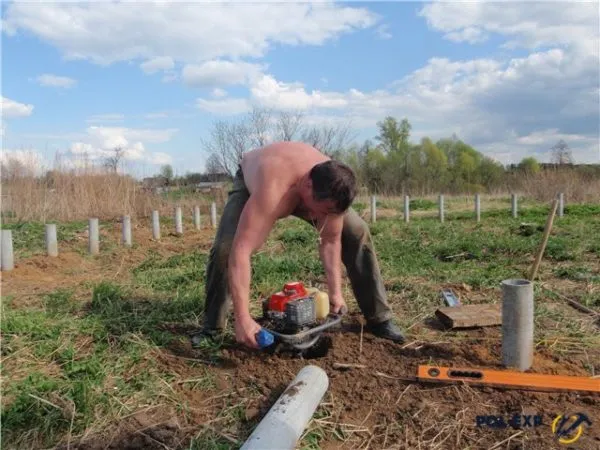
80	362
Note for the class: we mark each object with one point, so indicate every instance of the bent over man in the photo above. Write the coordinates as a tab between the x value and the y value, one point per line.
292	179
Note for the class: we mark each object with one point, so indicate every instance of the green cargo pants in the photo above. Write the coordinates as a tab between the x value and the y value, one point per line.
358	256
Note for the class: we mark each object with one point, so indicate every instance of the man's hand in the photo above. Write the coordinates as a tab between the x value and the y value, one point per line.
245	331
338	304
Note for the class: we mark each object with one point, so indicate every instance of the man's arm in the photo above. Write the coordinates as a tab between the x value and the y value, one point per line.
256	221
330	252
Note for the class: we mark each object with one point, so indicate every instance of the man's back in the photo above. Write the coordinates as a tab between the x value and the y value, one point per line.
279	165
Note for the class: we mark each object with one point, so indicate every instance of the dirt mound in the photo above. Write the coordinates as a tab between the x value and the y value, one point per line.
380	395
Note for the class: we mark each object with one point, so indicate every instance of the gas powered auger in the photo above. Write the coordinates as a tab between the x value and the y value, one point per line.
296	317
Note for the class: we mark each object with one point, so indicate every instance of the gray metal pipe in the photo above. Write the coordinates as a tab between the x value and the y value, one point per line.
213	215
155	225
478	207
7	258
373	209
283	425
406	208
197	217
51	240
561	204
441	207
514	205
127	231
94	236
517	324
178	220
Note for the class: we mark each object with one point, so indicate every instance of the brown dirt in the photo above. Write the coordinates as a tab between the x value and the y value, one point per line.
376	406
74	268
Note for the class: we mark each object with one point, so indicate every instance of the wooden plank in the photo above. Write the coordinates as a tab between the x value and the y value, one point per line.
466	316
507	379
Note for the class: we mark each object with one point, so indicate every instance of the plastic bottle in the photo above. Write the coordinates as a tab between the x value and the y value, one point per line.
264	338
321	304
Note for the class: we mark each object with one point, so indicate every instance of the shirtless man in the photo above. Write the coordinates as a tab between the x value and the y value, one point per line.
292	179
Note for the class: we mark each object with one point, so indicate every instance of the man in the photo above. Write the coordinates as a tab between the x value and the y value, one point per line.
292	179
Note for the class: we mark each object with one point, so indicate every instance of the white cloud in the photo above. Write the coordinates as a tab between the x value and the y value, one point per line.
219	93
22	162
12	108
160	158
228	106
189	32
51	80
154	65
270	93
531	25
100	143
220	73
472	35
383	31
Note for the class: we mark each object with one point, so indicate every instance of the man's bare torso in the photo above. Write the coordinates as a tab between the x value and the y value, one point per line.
280	166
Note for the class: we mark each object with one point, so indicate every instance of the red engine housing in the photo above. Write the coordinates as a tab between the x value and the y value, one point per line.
291	291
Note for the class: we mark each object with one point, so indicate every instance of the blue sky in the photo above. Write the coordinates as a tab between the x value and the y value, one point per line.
509	78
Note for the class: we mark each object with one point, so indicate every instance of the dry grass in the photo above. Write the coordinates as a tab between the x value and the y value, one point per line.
67	194
576	186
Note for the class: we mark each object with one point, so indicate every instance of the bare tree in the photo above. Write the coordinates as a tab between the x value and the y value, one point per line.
229	141
561	153
218	145
112	162
258	123
288	124
329	139
213	164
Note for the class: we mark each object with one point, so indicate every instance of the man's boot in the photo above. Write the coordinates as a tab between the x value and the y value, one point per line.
387	330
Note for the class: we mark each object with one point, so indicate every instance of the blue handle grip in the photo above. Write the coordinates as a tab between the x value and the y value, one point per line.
264	338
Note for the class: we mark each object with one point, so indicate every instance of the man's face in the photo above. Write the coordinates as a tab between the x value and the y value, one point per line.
317	209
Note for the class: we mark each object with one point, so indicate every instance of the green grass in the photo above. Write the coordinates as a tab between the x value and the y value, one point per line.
29	237
77	362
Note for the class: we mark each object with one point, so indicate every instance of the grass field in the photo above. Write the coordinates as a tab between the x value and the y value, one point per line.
95	349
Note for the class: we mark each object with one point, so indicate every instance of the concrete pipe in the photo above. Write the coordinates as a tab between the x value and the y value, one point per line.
517	324
283	425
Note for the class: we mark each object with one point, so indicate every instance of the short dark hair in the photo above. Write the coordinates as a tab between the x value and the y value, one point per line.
333	180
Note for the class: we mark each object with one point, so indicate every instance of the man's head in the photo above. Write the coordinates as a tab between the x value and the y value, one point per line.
332	186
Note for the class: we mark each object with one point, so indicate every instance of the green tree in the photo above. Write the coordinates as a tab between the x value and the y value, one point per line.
435	163
529	165
167	172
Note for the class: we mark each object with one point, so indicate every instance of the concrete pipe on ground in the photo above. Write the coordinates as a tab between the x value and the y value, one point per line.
283	425
517	324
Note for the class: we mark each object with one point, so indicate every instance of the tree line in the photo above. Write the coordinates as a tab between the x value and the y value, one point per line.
389	163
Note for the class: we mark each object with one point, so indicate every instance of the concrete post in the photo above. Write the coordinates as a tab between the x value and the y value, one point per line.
213	215
51	240
7	258
517	324
373	209
514	205
478	207
406	208
126	231
441	207
283	426
561	204
197	217
94	237
155	225
178	221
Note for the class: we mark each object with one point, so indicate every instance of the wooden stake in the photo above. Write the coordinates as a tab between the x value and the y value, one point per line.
549	223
